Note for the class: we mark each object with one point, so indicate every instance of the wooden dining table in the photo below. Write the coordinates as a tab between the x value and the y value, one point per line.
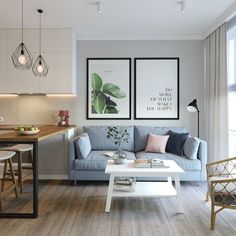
10	136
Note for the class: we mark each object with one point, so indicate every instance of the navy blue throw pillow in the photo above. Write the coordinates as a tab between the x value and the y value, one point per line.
175	143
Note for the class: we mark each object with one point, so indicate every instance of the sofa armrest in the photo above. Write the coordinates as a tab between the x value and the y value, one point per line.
71	158
202	156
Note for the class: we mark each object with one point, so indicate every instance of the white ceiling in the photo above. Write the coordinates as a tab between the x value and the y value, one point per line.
120	18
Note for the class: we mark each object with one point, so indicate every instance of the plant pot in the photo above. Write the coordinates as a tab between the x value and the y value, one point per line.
119	157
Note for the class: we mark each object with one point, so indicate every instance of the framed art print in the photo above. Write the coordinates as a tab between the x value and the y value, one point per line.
156	88
108	88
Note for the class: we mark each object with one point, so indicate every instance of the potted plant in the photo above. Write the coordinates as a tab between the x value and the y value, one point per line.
118	136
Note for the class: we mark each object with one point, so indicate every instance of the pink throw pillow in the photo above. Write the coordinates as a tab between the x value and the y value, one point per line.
157	143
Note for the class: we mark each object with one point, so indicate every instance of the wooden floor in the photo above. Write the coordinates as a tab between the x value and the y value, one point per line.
79	211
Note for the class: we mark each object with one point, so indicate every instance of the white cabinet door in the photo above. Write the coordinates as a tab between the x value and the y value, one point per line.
3	61
59	77
3	72
21	81
3	41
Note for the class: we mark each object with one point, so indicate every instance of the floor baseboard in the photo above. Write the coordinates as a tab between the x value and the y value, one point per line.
52	177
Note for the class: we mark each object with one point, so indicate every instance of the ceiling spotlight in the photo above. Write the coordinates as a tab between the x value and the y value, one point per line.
99	7
182	6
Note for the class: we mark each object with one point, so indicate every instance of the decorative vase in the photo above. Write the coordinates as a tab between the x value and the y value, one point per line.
119	157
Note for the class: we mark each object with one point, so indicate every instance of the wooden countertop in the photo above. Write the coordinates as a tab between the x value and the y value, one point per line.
46	131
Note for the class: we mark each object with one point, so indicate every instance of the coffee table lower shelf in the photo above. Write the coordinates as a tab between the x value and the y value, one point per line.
148	189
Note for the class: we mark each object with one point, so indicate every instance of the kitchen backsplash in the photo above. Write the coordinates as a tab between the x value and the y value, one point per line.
36	109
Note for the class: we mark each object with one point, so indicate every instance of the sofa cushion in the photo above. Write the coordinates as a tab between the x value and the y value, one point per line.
191	147
156	143
82	146
150	155
175	143
97	135
185	163
96	161
141	134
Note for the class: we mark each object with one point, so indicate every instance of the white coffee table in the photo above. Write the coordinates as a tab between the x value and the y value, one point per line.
146	189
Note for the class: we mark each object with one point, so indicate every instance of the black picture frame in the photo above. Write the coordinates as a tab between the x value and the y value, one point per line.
88	115
153	116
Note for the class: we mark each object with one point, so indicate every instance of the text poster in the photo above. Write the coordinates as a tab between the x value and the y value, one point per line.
157	88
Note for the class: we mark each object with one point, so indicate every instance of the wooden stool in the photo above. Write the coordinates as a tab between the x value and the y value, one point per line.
20	149
6	157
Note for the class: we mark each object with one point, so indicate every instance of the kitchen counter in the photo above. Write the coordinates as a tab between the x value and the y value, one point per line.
7	133
7	127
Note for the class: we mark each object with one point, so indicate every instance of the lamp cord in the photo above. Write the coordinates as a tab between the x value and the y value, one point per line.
39	33
22	21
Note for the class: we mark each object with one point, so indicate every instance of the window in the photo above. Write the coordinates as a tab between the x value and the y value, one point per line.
232	86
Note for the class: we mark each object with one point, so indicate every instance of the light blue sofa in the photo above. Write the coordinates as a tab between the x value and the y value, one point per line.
92	168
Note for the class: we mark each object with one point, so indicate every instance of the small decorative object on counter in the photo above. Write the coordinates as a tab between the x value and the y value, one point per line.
63	118
118	136
55	118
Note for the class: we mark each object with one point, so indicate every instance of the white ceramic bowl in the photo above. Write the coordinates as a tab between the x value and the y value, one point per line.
26	132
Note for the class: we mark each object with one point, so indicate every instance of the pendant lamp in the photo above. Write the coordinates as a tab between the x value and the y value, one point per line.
40	68
21	57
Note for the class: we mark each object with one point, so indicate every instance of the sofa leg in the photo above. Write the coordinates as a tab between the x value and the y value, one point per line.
74	182
207	196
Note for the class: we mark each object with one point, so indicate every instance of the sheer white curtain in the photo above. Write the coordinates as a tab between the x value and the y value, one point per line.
216	104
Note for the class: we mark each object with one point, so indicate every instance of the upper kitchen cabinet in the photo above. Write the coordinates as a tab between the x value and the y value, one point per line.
21	81
3	61
3	72
59	52
3	41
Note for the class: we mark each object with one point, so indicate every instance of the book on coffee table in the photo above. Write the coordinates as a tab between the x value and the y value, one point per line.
142	163
157	163
145	163
126	184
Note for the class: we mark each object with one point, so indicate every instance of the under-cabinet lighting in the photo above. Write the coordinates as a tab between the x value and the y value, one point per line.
60	95
8	95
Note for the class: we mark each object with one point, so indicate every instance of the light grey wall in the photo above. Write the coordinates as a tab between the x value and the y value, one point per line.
39	109
191	54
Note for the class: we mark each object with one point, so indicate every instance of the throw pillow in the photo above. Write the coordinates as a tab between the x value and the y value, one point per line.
82	146
191	147
175	143
156	143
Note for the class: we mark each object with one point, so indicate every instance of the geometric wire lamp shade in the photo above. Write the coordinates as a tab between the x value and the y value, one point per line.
21	58
40	68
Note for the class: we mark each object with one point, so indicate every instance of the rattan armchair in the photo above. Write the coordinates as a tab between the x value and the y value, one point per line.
221	177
